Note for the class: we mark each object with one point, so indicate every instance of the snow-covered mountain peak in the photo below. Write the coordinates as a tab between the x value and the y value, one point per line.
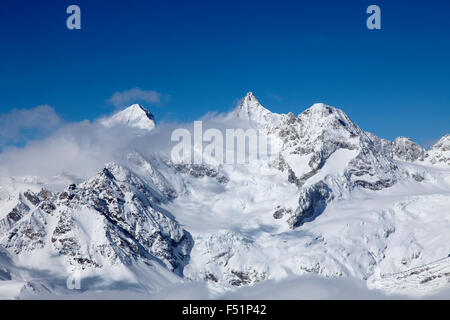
324	113
250	97
320	106
251	109
327	121
406	149
439	153
335	201
443	144
322	134
135	116
402	140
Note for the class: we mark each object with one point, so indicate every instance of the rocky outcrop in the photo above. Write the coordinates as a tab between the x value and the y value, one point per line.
312	202
112	218
198	171
280	212
439	153
407	150
240	219
320	131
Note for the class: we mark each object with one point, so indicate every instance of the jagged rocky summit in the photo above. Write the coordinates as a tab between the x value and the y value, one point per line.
323	207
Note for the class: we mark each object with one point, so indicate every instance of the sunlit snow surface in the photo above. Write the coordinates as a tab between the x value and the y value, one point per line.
134	116
368	235
376	244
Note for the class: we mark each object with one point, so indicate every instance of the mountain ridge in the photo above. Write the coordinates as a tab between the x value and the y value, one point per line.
134	116
338	202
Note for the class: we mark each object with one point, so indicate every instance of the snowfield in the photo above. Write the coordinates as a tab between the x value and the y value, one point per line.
338	213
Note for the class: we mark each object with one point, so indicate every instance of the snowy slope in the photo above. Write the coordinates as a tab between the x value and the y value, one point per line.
336	202
440	152
135	116
250	109
423	279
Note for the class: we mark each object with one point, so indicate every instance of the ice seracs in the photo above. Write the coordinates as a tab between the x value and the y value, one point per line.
135	116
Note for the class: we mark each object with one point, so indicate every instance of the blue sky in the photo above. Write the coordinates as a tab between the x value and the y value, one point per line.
200	56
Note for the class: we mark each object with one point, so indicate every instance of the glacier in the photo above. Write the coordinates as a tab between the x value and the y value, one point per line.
336	202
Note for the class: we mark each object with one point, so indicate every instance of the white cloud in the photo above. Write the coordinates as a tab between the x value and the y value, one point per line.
18	124
297	287
81	150
136	95
294	287
311	287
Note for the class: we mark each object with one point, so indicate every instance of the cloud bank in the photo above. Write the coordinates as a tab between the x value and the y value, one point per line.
136	95
82	149
19	125
295	287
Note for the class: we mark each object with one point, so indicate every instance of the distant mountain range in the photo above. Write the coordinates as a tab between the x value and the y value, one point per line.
336	201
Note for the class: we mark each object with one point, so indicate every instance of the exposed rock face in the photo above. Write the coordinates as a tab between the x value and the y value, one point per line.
198	171
371	170
27	202
407	150
109	219
318	133
440	152
312	202
314	137
241	218
443	144
280	212
17	213
383	146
